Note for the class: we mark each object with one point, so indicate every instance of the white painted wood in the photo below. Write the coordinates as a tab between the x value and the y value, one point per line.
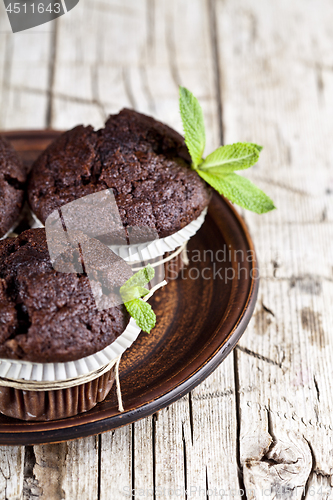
275	64
11	472
140	56
211	436
116	464
66	471
277	91
25	62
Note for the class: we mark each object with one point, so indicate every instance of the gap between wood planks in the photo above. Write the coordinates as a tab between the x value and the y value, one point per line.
52	74
218	96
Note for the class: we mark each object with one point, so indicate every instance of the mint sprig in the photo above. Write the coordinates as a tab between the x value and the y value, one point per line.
131	293
142	313
219	167
193	123
141	278
230	158
240	190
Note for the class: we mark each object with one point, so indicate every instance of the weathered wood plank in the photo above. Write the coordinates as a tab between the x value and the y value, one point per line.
24	70
144	457
116	464
11	472
63	471
170	451
26	63
277	91
210	436
95	76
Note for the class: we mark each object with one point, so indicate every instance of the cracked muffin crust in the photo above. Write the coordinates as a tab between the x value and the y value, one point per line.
46	315
143	161
12	183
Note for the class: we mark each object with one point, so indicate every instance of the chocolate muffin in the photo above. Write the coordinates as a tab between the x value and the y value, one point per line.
51	316
143	161
12	183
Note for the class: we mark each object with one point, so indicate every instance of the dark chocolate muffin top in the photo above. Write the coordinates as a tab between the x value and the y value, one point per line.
51	316
12	180
145	162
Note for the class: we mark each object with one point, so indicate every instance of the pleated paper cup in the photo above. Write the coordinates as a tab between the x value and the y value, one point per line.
167	255
51	391
36	223
157	248
26	216
10	233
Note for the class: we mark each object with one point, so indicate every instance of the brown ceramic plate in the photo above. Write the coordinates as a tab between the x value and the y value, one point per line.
200	318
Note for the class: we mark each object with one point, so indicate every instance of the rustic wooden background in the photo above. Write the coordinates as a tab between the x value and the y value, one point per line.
263	72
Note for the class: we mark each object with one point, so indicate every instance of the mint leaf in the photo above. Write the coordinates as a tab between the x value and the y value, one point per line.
134	287
218	168
193	124
142	313
133	292
141	278
259	148
231	157
239	190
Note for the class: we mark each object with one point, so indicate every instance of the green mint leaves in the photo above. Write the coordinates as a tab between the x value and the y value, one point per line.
131	293
134	287
239	190
142	313
193	123
230	158
219	167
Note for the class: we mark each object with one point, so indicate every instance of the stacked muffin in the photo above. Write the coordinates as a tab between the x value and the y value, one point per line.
145	163
147	166
49	318
49	321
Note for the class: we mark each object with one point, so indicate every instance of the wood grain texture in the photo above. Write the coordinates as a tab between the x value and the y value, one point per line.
26	68
270	64
116	457
277	91
160	44
61	471
140	56
11	472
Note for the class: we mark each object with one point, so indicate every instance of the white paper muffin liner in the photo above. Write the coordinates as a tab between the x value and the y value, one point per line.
157	248
25	212
20	370
150	250
36	222
11	230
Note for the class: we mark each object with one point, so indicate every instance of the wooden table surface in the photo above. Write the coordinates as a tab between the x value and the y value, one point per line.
263	72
